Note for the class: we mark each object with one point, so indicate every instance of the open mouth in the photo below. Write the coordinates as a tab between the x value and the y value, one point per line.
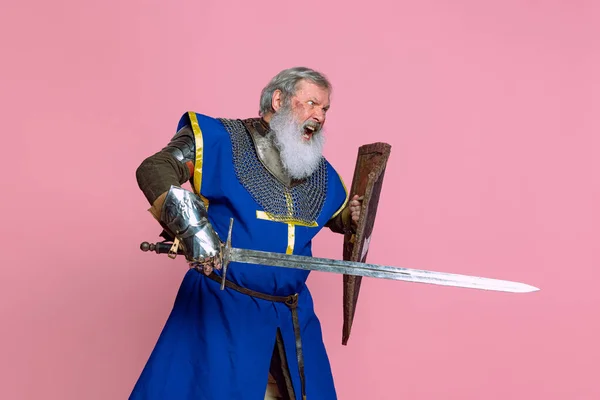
308	132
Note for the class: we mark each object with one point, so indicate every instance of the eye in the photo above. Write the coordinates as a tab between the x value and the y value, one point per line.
311	103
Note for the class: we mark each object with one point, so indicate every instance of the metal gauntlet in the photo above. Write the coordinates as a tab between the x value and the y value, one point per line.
185	216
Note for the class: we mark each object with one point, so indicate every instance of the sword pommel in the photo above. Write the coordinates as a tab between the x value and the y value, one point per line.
145	246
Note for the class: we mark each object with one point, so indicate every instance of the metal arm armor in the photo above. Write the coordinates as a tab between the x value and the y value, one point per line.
184	214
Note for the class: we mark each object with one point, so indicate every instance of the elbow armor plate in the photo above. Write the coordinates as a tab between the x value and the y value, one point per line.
183	147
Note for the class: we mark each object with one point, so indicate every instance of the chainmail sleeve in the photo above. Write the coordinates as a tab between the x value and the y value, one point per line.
173	165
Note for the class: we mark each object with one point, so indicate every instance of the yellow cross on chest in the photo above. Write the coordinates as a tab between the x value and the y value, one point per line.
289	220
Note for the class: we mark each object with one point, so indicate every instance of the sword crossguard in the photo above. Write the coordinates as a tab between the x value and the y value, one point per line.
226	255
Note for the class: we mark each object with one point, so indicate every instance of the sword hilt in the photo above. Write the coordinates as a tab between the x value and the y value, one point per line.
165	247
158	248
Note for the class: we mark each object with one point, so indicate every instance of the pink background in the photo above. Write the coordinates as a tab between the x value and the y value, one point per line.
492	111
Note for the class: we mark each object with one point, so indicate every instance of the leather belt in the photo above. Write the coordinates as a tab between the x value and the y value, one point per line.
292	303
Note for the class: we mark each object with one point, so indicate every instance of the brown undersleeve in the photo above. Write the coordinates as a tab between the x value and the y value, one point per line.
341	223
157	173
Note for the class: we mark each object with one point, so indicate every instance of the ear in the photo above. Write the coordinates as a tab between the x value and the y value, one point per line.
276	100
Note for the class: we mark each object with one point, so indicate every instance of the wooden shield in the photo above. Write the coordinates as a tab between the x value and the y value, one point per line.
367	182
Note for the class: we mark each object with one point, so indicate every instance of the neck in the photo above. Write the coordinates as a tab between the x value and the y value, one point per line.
267	117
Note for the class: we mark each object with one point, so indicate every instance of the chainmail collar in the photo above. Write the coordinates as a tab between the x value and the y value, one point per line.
259	169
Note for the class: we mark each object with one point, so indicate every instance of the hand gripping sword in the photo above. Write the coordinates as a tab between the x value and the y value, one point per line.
232	254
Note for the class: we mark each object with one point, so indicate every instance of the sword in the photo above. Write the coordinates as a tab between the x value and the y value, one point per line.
232	254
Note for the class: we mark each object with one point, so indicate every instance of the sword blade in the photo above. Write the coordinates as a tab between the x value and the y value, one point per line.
375	271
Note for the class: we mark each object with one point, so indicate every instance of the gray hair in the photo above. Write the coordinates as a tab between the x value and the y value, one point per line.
286	81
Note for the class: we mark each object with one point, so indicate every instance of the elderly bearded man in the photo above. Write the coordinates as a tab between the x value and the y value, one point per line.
269	175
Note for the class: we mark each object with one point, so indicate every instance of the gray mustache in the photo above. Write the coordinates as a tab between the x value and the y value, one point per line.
316	127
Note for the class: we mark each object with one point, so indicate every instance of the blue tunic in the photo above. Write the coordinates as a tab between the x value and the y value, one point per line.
218	344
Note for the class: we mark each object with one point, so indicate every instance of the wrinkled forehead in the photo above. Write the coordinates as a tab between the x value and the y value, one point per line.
307	90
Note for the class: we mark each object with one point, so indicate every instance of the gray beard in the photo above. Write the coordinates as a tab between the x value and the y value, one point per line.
299	158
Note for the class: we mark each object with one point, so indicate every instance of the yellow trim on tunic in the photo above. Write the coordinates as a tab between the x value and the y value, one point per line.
285	220
199	141
345	201
291	239
291	222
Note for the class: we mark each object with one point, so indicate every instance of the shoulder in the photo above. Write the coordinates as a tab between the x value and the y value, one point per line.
206	129
333	173
337	191
336	180
200	122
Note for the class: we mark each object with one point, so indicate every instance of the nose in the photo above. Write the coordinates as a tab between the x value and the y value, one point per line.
319	115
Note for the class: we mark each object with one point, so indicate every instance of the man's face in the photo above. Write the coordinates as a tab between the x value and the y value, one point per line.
309	108
297	127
